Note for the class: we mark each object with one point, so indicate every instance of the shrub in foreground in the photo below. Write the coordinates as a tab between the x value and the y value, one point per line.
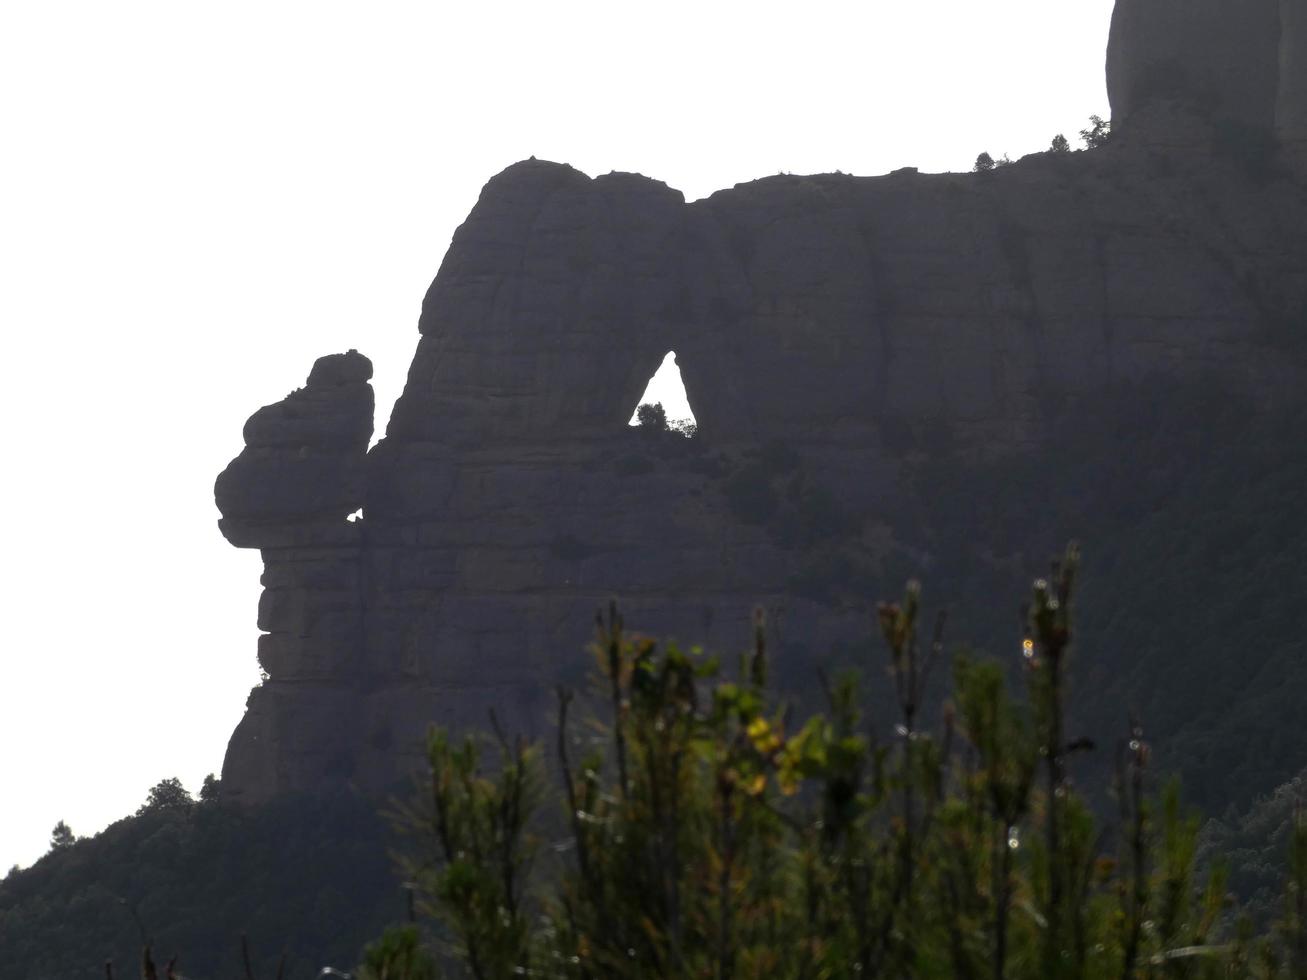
702	831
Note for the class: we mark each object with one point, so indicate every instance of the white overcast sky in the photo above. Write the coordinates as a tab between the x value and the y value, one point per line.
197	200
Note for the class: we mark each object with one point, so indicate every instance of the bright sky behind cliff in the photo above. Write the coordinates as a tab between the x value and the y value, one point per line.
197	200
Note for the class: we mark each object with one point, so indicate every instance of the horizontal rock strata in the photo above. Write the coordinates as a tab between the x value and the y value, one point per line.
843	341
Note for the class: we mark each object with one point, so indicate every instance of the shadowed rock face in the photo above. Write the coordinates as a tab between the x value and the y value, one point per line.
1220	55
302	468
1291	110
836	336
1233	61
289	492
594	263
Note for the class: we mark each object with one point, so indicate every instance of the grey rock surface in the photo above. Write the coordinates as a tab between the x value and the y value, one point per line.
1233	62
304	457
1291	110
1221	56
837	336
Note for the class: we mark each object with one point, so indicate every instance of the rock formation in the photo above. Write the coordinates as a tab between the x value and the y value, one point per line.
1235	62
1291	110
290	492
837	336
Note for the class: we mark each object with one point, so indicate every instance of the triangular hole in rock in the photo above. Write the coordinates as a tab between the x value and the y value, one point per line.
667	389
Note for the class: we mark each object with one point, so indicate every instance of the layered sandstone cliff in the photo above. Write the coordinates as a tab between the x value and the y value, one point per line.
835	336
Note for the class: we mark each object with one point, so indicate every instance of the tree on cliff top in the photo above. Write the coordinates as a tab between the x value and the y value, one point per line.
167	794
211	789
61	836
1098	133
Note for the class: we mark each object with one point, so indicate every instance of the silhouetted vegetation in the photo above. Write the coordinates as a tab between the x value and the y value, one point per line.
986	163
61	837
398	955
167	794
709	829
1135	875
651	415
306	877
1097	133
704	831
210	789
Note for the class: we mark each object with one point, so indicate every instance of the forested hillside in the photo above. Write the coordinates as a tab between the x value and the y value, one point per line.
310	878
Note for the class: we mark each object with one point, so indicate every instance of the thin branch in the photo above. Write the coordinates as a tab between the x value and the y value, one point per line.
613	635
573	805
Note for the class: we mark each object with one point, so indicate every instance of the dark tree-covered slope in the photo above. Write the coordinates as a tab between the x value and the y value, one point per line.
311	878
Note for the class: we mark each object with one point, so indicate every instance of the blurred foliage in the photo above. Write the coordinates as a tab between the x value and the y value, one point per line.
397	955
706	808
701	830
1254	844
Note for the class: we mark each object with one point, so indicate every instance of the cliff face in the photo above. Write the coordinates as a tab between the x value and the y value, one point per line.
1221	55
1239	61
838	337
1291	110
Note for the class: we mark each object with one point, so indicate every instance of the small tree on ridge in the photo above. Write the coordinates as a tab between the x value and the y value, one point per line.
61	836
